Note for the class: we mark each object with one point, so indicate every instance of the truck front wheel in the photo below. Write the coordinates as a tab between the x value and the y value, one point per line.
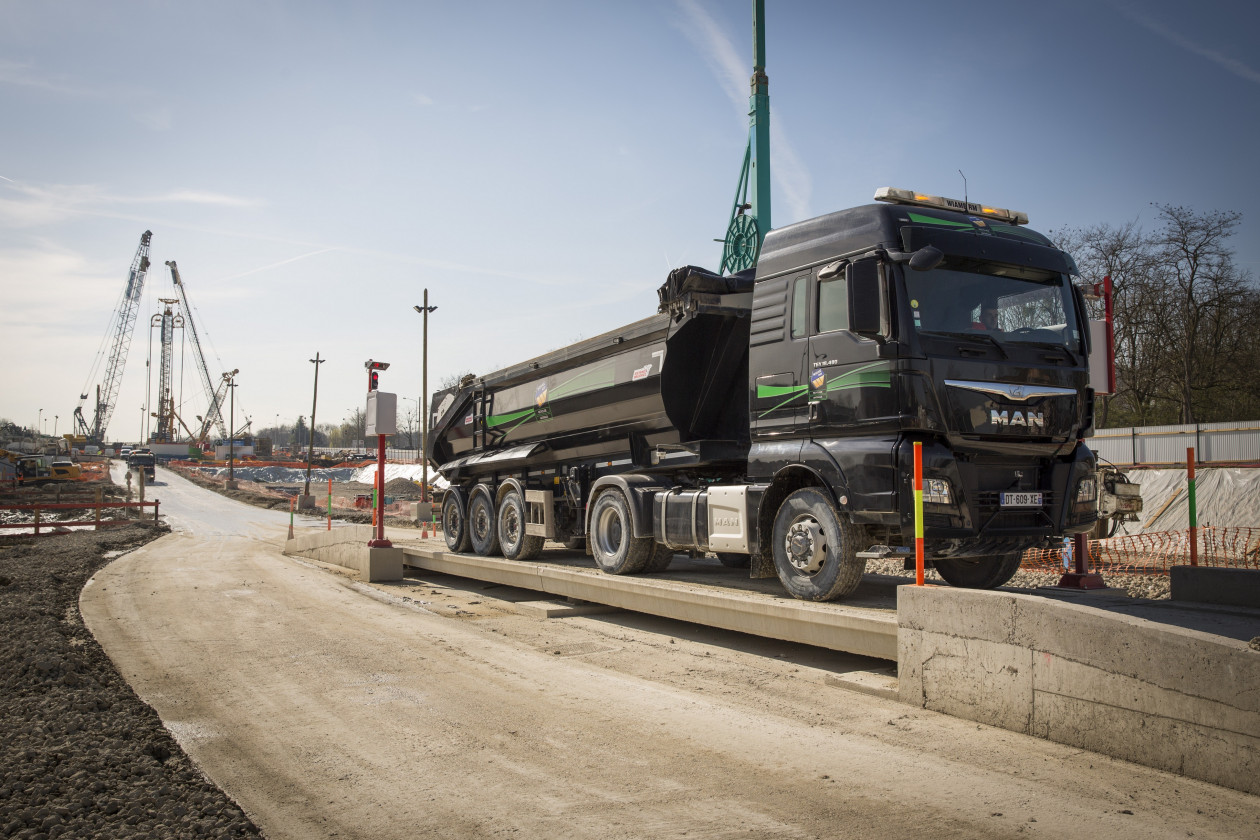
978	572
455	524
516	544
613	545
482	528
815	551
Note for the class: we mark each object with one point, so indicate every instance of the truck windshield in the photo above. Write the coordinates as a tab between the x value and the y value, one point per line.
1007	304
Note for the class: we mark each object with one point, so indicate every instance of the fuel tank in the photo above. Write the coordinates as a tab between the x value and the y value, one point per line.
676	380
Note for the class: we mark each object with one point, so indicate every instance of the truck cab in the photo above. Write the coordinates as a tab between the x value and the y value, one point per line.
915	320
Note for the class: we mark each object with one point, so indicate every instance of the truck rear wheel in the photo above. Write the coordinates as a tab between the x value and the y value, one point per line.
978	572
516	544
613	545
815	551
482	528
455	524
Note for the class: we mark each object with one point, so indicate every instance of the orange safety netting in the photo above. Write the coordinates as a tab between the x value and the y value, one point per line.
1156	553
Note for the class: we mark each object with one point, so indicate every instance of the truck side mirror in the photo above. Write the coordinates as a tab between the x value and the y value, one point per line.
926	258
868	306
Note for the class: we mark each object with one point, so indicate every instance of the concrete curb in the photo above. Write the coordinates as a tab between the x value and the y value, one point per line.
348	547
1159	695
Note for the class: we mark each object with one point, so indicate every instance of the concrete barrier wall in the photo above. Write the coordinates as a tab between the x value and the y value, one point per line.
348	547
1166	697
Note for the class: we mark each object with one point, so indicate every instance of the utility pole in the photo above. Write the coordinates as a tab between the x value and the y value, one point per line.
424	400
306	501
231	482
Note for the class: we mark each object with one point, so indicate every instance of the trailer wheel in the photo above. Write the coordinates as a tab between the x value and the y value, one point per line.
613	545
815	551
516	544
978	572
482	529
734	561
455	524
661	557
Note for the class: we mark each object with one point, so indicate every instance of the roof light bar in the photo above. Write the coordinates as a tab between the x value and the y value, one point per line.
895	196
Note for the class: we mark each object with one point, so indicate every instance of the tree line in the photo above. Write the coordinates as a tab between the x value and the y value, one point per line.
1185	315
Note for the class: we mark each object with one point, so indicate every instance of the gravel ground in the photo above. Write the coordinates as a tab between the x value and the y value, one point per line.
1136	586
82	756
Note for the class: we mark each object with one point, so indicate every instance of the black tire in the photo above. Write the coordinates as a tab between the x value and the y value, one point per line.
455	524
515	543
734	561
661	557
615	549
483	528
815	551
978	572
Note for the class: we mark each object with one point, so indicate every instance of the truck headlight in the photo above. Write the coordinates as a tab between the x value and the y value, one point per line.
1087	490
936	491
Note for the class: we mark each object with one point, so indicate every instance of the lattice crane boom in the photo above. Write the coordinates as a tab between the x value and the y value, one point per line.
214	413
122	325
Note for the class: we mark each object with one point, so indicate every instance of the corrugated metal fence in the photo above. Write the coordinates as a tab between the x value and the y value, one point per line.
1214	443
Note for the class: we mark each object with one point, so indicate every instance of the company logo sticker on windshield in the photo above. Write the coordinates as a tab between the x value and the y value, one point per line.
642	373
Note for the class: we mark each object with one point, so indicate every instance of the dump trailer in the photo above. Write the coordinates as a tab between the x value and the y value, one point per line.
770	416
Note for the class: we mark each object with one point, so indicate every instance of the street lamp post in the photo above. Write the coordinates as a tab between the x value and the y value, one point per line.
231	482
424	400
56	417
307	501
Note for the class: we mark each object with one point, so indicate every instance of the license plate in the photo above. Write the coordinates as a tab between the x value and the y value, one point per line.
1021	500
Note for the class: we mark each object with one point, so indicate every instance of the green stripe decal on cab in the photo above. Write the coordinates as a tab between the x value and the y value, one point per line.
929	220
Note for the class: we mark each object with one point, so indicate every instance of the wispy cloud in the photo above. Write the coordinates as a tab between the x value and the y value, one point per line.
1233	65
733	73
36	204
25	75
263	268
422	99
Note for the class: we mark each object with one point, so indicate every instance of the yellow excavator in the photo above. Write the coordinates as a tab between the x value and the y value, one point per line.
40	469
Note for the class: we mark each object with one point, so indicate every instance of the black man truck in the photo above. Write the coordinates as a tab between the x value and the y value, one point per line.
769	416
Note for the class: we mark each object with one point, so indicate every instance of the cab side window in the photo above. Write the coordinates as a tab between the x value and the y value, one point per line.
800	311
833	304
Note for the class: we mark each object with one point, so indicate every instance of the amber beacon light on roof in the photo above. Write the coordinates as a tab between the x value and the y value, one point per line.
892	195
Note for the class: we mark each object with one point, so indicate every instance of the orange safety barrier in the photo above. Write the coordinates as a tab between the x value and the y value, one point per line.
1156	553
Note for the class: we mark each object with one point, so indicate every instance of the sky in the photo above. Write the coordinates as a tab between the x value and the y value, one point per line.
539	167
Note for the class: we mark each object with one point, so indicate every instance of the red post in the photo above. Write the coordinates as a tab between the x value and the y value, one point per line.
918	514
380	541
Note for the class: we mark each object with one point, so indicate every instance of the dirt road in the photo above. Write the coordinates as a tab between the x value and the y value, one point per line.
329	708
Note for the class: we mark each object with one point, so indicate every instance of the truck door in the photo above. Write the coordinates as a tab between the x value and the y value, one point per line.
850	388
778	357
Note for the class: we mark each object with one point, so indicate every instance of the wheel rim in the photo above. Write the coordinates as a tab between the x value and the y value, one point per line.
610	534
481	521
450	520
805	545
511	525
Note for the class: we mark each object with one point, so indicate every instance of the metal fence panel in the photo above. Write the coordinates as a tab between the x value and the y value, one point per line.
1214	443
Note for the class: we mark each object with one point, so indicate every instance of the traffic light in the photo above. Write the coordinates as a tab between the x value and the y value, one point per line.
373	368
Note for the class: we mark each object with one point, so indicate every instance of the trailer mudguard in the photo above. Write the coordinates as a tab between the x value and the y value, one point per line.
639	491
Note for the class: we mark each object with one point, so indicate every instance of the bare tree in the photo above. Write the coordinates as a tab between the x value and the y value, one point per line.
1205	294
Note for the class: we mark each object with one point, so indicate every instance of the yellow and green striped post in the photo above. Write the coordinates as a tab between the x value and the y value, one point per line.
918	513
